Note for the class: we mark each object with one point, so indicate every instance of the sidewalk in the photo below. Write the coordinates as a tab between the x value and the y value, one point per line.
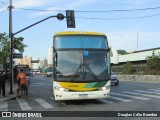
7	90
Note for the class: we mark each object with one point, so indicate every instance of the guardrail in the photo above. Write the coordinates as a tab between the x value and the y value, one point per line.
140	78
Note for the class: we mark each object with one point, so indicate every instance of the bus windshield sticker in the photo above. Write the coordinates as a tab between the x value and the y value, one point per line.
85	53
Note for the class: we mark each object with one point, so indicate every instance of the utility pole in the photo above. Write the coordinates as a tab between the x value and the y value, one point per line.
11	48
137	41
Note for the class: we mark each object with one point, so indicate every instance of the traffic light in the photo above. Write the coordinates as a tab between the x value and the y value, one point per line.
70	18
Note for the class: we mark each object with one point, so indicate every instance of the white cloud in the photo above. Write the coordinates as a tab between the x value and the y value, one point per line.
128	40
74	5
30	3
135	1
51	10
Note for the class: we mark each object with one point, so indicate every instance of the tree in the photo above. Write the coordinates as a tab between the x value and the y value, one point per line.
5	46
122	52
128	68
153	63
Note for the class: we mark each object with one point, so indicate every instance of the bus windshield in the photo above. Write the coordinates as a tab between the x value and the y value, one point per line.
77	66
81	58
80	41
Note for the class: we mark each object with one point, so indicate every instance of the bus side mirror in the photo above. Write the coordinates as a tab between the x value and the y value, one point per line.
55	59
114	56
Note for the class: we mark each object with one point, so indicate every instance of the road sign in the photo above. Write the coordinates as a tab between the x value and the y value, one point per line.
18	55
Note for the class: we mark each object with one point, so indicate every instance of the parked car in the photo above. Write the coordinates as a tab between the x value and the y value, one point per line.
114	79
36	72
31	74
49	74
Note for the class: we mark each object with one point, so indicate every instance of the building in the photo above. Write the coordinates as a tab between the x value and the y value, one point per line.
137	58
50	57
43	63
35	64
25	60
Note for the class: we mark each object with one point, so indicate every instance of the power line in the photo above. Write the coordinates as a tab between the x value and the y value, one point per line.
125	4
3	11
123	18
120	10
143	9
3	3
39	10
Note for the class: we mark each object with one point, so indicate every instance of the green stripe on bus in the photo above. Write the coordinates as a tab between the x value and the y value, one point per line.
101	84
90	85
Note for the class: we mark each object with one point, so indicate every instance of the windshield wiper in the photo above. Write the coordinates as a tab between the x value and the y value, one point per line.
75	74
91	72
83	73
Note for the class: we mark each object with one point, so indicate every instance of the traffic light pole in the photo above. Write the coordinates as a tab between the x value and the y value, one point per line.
11	36
32	25
11	48
70	24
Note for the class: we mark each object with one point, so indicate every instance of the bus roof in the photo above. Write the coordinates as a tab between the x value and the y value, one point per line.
78	33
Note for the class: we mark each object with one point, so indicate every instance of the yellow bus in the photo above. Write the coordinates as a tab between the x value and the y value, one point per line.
81	66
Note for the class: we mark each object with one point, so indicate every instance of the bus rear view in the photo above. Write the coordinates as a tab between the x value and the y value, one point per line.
81	66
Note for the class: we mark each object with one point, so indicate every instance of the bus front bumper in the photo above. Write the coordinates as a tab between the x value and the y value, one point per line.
58	95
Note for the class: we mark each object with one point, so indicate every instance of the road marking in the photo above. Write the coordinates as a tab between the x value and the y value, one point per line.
146	92
105	101
147	95
120	99
41	85
135	97
24	105
153	90
44	103
52	98
3	106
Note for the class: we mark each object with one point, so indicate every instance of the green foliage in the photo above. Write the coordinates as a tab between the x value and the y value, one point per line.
128	68
122	52
153	63
5	46
19	44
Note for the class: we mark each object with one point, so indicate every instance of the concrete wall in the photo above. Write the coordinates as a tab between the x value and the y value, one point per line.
140	78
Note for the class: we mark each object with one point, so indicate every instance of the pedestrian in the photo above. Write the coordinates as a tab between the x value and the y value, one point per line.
18	87
27	85
21	77
2	82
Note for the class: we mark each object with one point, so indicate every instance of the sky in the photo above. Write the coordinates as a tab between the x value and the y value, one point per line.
128	24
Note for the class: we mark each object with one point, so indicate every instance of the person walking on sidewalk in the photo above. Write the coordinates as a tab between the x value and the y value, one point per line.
18	87
2	82
22	77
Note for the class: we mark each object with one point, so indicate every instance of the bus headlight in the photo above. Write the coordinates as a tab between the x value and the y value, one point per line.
61	89
104	88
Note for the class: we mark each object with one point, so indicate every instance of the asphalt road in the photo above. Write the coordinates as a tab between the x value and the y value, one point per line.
128	96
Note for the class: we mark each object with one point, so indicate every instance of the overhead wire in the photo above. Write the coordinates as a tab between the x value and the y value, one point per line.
118	10
3	3
3	11
123	4
123	18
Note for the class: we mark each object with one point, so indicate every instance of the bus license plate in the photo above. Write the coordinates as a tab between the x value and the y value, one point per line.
83	95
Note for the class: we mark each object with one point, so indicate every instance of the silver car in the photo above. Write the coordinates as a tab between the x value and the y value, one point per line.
49	74
114	79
